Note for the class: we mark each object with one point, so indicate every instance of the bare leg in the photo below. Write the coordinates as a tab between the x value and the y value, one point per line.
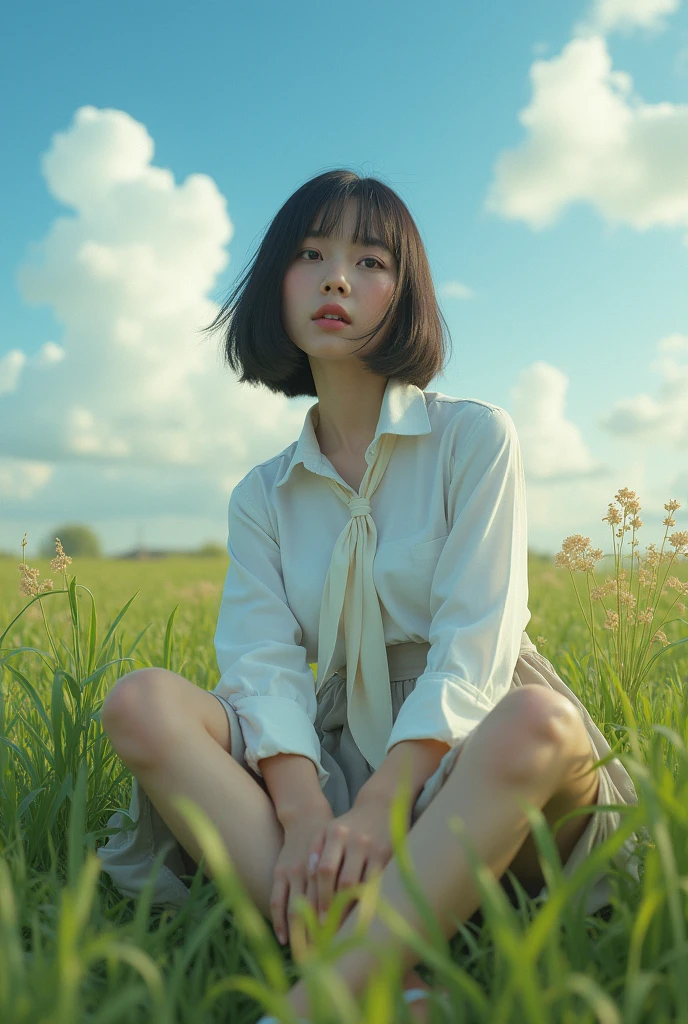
170	760
483	795
182	758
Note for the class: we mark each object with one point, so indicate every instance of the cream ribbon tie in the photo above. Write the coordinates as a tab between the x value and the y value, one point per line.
350	598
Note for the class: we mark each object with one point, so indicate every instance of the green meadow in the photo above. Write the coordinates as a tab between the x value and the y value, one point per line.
72	949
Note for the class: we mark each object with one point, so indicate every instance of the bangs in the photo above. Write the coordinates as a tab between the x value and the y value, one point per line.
377	223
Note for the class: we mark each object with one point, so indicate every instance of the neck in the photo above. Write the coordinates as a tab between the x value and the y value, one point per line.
346	417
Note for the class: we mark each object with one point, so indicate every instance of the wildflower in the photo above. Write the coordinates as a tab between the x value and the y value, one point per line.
679	540
608	587
612	517
28	585
612	620
628	500
540	640
577	555
61	560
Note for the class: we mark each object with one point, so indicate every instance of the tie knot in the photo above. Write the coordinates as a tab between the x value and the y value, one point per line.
360	507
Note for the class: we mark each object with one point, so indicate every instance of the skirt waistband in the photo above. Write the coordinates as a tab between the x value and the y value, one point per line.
408	660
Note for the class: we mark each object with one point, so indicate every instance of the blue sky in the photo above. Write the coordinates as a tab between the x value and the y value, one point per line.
542	149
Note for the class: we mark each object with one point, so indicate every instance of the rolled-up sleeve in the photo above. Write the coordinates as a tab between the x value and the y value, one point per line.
265	674
479	595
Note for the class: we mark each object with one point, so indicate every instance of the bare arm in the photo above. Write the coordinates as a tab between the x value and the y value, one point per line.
292	781
419	757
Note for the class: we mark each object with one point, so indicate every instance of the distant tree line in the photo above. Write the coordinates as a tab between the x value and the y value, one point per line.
80	541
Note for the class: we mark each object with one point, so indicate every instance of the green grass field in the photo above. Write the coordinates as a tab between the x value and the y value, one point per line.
72	950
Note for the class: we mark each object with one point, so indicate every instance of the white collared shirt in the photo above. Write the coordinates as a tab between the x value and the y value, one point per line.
451	569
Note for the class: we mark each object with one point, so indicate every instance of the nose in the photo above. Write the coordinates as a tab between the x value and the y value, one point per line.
337	281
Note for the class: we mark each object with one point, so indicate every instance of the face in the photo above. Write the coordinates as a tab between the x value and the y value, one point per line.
358	277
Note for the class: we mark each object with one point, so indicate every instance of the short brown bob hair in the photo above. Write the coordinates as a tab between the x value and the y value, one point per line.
255	341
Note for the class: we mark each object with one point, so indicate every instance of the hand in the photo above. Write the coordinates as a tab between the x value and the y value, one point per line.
353	848
302	835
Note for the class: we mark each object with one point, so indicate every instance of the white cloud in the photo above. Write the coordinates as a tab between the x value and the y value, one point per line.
564	480
23	479
590	139
613	15
568	489
662	419
13	362
673	343
456	290
11	366
553	447
49	354
540	48
132	382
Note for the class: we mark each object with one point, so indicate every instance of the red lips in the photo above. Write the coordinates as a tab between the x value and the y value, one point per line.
335	309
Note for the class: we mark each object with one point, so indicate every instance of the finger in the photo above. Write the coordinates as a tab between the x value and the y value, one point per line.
295	919
328	870
278	907
352	869
312	864
312	891
374	866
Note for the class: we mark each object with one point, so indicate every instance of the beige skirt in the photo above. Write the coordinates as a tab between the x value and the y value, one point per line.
128	856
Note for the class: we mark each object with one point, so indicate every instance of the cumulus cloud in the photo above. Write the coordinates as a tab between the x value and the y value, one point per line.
22	479
591	139
562	473
13	362
565	482
625	15
553	447
128	273
11	366
660	419
49	354
456	290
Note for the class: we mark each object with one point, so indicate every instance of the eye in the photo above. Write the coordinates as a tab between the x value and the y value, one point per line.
374	259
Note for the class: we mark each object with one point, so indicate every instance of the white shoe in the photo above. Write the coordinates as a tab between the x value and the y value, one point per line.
411	995
275	1020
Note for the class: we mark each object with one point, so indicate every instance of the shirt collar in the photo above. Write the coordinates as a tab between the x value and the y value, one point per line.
403	411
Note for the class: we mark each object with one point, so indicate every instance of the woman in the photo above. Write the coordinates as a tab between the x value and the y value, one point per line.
389	544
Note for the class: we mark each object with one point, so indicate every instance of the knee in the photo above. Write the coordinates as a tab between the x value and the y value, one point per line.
130	708
535	733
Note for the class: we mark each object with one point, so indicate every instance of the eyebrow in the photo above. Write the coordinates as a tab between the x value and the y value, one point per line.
377	242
